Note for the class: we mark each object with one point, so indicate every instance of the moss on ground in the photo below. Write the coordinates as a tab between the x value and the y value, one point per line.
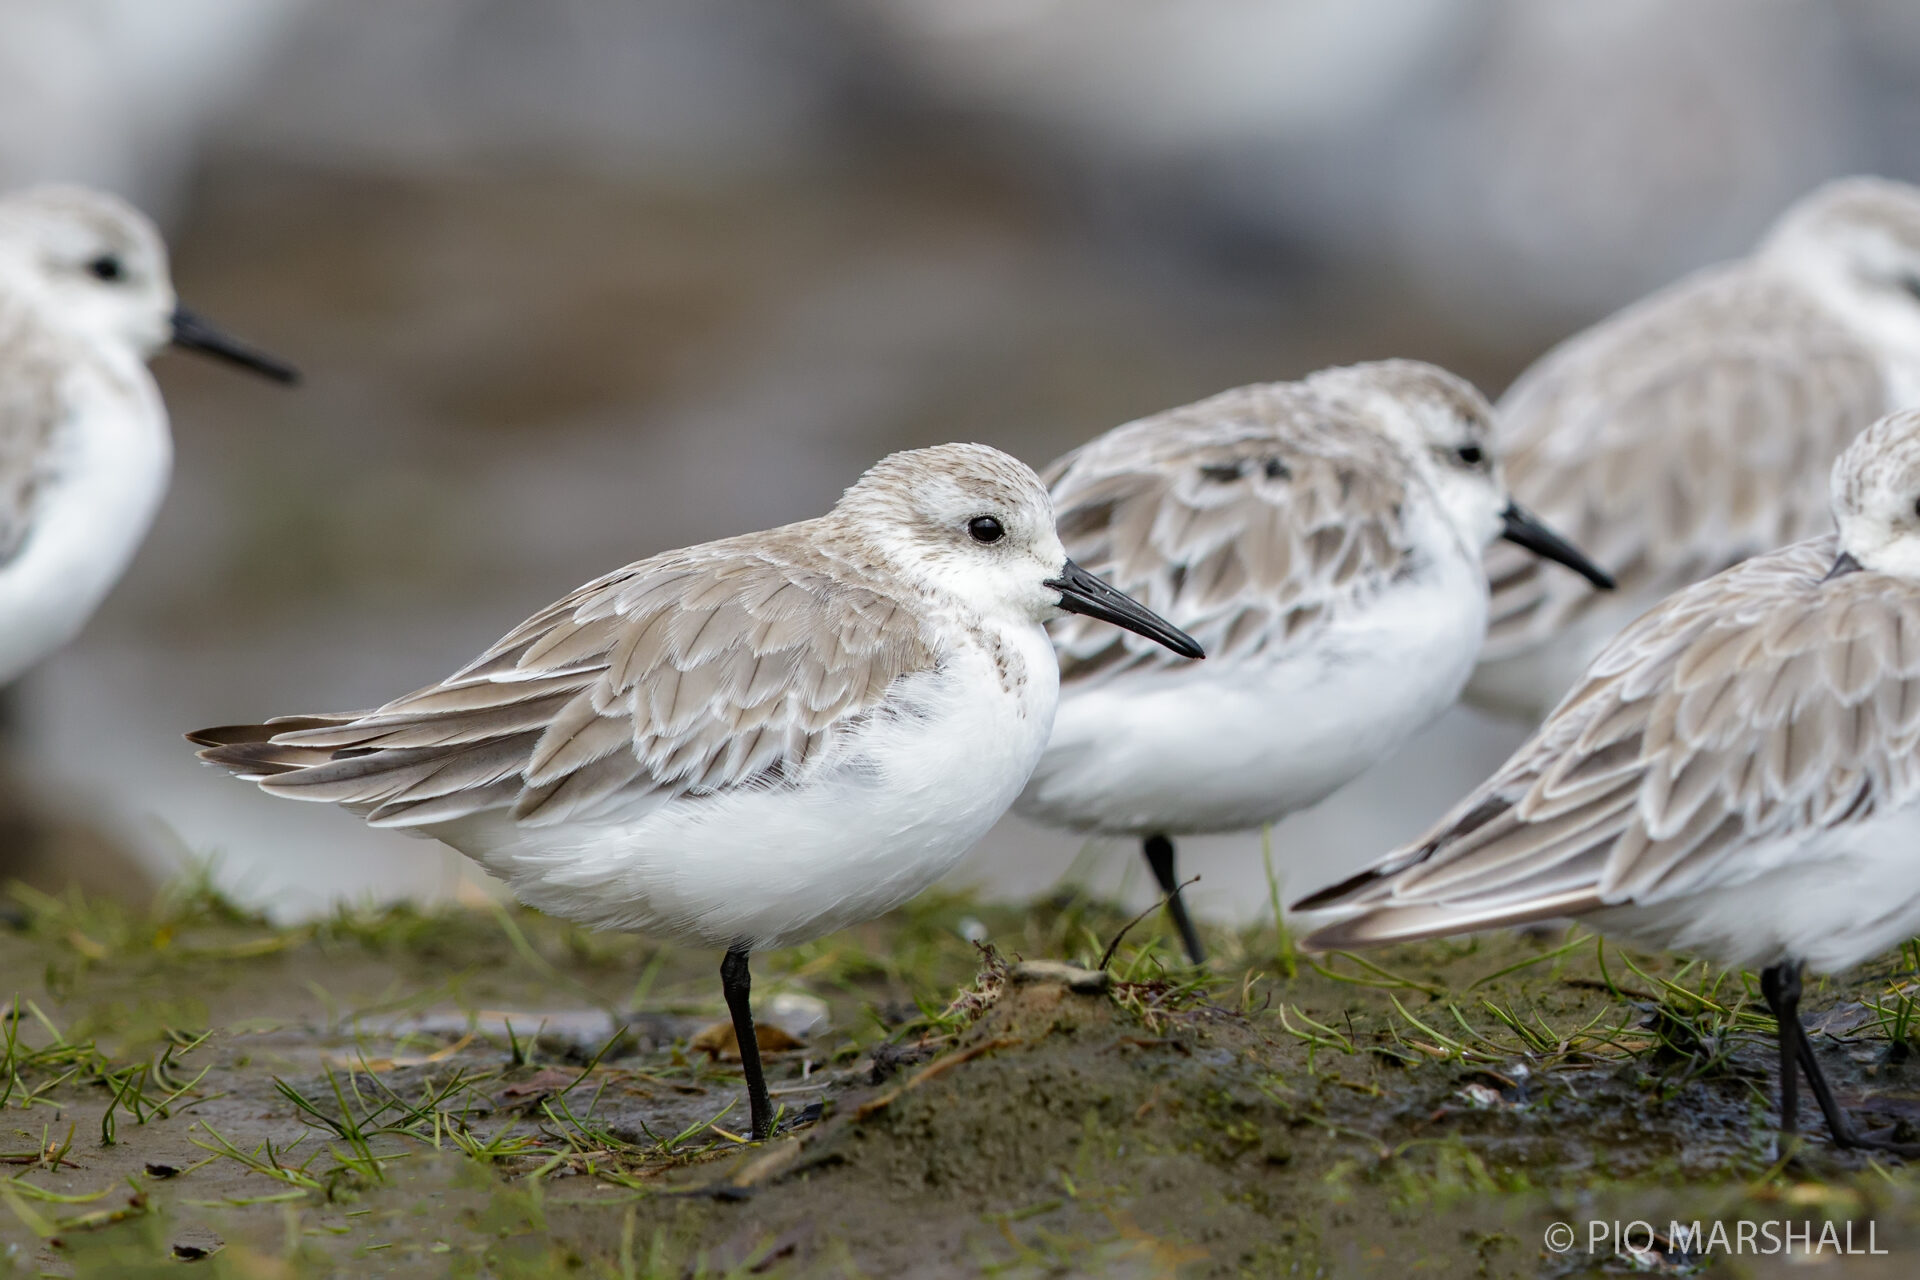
461	1092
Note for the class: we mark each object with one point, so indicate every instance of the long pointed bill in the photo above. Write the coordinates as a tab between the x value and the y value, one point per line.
1081	592
1520	526
195	334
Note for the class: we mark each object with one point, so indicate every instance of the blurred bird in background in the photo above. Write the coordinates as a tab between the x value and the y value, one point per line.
85	451
85	301
1696	428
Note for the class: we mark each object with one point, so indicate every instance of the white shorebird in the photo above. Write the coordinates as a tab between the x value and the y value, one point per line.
1737	775
84	451
1695	428
1323	539
742	744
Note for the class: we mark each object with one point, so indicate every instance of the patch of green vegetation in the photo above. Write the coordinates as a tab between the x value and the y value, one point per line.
490	1092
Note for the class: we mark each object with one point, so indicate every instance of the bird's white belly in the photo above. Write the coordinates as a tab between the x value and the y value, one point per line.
1832	902
1224	745
108	473
894	809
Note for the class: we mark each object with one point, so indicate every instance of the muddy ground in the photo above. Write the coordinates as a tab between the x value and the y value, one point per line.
483	1093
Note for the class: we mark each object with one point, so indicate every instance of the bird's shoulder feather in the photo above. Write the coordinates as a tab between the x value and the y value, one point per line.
32	405
1247	519
732	664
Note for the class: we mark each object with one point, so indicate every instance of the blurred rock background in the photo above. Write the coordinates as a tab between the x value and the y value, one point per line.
582	280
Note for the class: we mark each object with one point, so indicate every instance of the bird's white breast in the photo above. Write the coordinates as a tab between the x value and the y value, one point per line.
107	473
894	807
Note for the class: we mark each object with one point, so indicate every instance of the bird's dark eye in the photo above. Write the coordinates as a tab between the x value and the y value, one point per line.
1916	506
985	529
107	267
1470	454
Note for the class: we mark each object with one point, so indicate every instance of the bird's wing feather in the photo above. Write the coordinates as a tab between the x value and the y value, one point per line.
1682	436
694	672
31	408
1748	712
1246	519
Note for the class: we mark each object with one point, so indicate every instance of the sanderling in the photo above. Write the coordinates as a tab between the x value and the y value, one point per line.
1737	775
1323	539
742	744
84	450
1695	428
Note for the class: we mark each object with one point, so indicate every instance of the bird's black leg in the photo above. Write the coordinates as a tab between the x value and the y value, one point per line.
1159	851
1844	1134
1780	984
737	981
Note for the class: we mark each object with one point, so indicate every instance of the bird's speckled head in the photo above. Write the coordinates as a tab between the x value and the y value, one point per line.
1855	243
960	519
94	260
971	526
1876	495
1443	424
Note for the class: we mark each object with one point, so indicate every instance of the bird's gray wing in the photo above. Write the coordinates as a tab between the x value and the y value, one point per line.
1747	712
733	664
1246	519
1679	437
32	406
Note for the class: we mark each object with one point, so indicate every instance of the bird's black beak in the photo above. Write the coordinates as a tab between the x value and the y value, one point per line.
195	334
1520	526
1081	592
1843	564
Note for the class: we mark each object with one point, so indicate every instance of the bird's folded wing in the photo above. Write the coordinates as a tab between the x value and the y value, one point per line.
31	406
1744	716
1245	519
690	673
1682	436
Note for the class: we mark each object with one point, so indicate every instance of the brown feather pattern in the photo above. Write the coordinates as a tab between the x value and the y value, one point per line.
31	411
1760	703
1248	518
729	664
1679	437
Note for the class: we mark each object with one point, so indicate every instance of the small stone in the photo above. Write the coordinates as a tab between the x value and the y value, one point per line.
549	1080
798	1014
719	1041
196	1243
1479	1097
1085	982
